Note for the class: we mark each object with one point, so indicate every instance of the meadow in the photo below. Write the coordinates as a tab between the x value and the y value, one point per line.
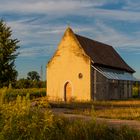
125	109
11	94
26	118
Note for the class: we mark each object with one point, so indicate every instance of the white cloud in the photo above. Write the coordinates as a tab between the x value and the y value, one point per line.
59	8
36	51
43	6
109	35
39	32
132	5
38	36
29	33
111	14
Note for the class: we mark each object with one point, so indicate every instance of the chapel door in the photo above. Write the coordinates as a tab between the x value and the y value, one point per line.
67	92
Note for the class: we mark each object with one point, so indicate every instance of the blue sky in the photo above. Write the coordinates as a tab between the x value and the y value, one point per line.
40	24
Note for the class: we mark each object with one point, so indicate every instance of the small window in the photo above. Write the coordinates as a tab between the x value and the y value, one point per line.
80	75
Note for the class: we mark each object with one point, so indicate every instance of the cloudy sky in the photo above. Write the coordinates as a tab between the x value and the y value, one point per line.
39	25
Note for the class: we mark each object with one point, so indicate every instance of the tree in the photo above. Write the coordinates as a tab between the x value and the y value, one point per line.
33	75
8	54
23	83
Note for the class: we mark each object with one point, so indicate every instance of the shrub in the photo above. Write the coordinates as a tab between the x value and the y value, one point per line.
26	83
11	94
135	90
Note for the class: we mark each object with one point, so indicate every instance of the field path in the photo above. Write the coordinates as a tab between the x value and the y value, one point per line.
110	122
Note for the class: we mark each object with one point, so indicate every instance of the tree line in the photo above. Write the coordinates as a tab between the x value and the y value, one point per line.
32	81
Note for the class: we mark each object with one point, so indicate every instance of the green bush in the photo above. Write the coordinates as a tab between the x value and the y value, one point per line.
11	94
135	90
26	83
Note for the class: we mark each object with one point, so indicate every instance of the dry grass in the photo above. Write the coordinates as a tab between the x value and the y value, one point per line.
22	120
120	113
123	103
126	109
97	104
11	94
121	110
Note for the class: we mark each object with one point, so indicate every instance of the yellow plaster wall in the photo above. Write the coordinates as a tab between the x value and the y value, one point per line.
68	61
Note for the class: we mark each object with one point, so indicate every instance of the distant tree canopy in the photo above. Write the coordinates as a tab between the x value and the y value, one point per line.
33	75
8	54
32	81
25	83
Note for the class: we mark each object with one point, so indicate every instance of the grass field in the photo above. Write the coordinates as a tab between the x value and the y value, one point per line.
126	109
11	94
23	118
129	113
105	104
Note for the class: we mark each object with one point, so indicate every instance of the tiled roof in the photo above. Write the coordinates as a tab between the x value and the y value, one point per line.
103	54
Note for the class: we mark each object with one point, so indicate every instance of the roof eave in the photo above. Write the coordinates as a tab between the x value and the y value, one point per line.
118	68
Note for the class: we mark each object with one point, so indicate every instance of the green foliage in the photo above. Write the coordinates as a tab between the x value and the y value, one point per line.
2	95
8	47
135	90
25	83
11	94
33	75
22	83
20	120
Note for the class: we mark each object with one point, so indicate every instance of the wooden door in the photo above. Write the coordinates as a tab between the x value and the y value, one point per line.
67	92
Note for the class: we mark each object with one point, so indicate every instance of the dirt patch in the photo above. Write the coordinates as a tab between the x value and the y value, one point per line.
110	122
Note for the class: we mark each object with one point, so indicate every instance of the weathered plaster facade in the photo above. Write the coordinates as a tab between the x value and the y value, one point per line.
65	66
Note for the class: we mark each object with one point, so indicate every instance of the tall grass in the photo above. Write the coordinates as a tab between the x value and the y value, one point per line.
11	94
135	90
120	113
128	109
22	120
97	104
